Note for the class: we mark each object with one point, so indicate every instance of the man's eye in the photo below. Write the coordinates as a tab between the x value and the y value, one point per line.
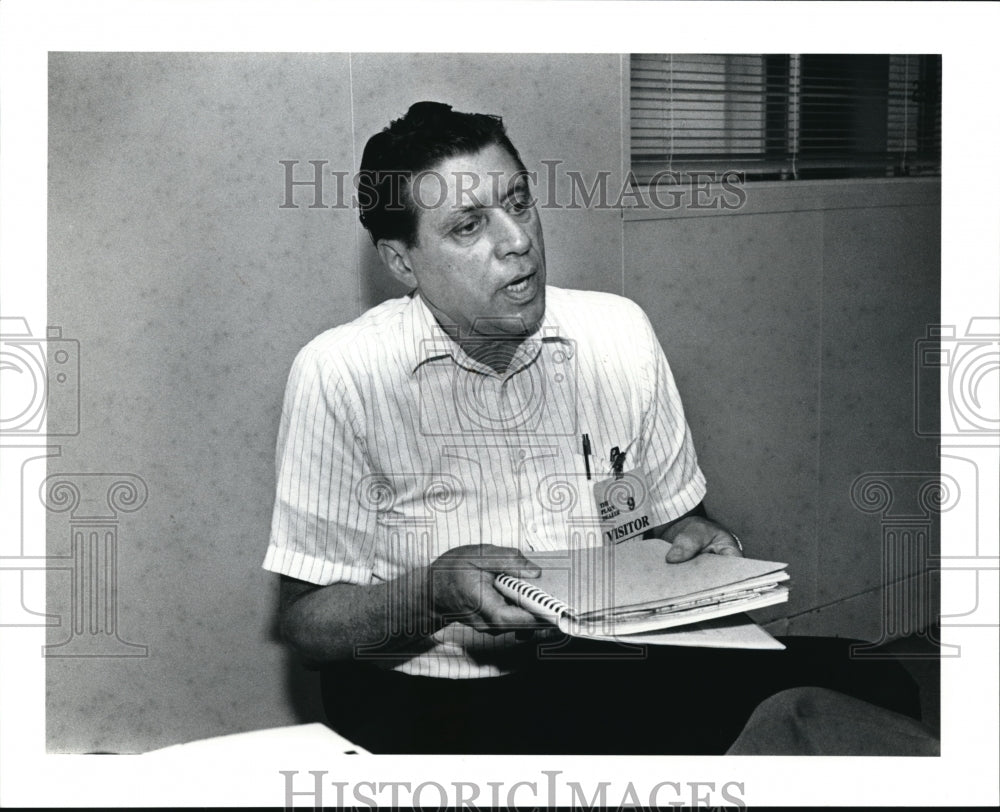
521	201
468	227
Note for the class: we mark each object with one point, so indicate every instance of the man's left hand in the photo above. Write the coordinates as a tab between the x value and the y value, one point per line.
695	535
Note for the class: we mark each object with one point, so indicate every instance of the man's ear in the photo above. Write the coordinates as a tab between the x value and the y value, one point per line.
396	257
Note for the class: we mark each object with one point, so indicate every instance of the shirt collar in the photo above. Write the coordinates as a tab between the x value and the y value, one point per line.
425	340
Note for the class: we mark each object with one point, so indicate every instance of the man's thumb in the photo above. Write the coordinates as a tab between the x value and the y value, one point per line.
523	567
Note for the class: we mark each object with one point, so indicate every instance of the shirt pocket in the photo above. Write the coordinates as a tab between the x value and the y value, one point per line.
558	508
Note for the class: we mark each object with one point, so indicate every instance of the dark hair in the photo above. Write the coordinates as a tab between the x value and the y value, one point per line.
429	133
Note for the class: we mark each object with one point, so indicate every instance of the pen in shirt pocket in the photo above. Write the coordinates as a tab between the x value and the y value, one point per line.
586	454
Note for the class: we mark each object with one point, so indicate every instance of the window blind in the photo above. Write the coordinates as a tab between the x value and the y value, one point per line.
785	116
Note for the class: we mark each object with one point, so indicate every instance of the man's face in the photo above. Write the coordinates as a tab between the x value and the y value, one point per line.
479	258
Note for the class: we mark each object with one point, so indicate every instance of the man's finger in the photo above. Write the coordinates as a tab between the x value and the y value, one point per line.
724	548
684	547
724	543
501	616
506	560
541	634
491	558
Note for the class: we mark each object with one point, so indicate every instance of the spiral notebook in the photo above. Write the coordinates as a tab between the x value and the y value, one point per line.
617	591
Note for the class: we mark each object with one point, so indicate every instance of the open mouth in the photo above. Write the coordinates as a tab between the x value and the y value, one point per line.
521	284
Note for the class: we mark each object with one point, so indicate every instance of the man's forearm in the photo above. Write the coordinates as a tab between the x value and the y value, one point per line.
695	533
328	623
660	530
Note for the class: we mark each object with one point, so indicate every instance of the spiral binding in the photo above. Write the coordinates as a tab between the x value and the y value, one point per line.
532	594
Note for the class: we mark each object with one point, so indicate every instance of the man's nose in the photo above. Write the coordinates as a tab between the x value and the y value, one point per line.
512	235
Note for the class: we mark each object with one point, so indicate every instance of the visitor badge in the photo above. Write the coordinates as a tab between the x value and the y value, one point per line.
622	506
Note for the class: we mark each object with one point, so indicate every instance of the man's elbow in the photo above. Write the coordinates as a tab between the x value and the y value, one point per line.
292	633
312	645
289	628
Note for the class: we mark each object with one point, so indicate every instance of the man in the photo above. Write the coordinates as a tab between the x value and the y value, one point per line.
422	450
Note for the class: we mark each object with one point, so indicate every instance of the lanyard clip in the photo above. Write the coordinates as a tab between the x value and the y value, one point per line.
617	462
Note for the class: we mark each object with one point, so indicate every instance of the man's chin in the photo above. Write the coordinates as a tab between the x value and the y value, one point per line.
516	325
534	313
527	324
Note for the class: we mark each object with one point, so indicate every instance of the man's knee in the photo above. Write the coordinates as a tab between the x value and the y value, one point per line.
818	721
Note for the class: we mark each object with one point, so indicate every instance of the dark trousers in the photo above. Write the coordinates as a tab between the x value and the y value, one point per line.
584	697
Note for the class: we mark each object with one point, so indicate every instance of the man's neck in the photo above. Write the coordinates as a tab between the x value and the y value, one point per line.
494	352
495	349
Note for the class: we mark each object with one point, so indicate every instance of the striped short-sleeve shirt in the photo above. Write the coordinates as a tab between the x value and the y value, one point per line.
395	446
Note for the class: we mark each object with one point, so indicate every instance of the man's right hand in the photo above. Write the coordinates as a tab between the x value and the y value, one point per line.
461	584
